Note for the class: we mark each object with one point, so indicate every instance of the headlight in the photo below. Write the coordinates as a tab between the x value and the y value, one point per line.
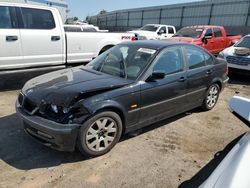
54	108
221	55
58	109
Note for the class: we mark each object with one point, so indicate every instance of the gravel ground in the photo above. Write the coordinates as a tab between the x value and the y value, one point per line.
179	152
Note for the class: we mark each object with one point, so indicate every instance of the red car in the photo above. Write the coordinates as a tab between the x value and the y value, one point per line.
212	38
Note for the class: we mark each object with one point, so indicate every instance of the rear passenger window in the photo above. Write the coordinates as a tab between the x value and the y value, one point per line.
37	19
170	30
195	57
217	32
170	61
5	18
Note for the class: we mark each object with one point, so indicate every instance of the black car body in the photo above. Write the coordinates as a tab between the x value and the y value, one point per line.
55	106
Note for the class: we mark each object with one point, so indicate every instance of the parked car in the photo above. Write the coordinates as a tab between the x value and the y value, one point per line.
232	172
83	28
212	38
33	36
238	56
132	85
155	31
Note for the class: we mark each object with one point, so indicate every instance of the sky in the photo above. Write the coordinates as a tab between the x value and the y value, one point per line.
83	8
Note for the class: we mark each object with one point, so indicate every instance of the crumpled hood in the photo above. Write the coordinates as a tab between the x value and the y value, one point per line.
63	86
231	51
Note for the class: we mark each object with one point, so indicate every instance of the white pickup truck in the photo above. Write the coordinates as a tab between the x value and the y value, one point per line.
33	37
155	31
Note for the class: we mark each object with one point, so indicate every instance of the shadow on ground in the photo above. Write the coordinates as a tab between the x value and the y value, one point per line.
22	152
207	170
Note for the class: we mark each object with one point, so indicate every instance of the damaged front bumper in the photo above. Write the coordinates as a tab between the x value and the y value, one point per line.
55	135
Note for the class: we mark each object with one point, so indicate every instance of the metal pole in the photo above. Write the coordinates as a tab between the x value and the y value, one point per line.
160	16
142	17
247	15
182	15
210	13
116	19
128	19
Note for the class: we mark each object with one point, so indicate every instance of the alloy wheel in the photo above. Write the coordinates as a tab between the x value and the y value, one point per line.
212	96
101	134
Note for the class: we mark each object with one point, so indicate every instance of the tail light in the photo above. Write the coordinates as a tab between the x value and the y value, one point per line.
134	38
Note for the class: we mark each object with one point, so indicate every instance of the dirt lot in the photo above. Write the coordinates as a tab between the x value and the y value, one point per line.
179	152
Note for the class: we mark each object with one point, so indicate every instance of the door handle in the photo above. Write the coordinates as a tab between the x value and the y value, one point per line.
55	38
182	79
11	38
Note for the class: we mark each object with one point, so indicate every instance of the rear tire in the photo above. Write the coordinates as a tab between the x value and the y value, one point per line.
211	98
99	134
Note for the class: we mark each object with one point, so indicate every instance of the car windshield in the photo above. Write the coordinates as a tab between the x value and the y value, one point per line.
189	32
149	28
245	43
123	61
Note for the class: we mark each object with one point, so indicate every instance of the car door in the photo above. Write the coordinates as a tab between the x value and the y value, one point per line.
165	97
208	40
199	74
41	37
10	43
162	33
219	40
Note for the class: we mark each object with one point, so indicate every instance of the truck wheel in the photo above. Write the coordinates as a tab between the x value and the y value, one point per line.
212	97
105	49
99	134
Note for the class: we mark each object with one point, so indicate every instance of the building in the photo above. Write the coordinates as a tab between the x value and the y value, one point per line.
233	14
61	5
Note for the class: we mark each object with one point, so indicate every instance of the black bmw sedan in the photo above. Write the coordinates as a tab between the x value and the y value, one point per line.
130	86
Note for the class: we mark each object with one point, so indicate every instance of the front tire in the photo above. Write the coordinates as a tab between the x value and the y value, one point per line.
212	97
99	134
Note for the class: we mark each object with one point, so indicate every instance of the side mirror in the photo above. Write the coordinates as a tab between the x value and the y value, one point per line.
160	32
156	75
205	38
240	107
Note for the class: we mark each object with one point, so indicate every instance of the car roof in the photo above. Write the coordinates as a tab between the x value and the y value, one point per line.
152	44
204	26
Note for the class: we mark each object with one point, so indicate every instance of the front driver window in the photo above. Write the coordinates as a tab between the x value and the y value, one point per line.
170	61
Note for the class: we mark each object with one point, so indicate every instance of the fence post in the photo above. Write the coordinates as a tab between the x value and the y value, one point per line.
247	15
128	19
160	16
210	13
142	17
182	15
116	19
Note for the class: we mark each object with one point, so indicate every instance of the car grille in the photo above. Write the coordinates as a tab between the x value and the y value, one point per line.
29	106
238	60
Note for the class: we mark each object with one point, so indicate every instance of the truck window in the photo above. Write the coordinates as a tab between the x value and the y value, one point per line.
217	32
5	18
88	29
209	33
37	19
163	30
170	30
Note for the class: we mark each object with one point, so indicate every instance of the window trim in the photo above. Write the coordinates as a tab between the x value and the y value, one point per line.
12	15
203	54
215	32
150	68
23	22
